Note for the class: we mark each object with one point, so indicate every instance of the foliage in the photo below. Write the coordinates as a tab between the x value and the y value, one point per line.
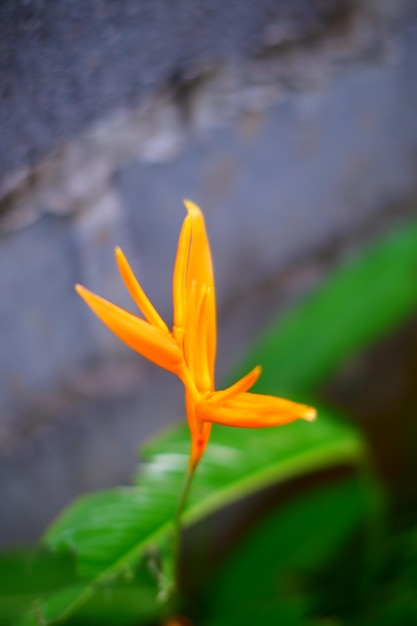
356	306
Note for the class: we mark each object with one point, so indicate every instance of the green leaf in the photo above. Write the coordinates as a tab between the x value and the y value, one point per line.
109	531
358	304
287	613
280	557
393	601
239	462
119	605
26	574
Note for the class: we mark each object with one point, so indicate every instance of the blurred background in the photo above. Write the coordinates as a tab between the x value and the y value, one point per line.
292	123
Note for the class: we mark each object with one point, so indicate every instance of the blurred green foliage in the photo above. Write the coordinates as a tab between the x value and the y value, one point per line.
27	575
323	554
353	308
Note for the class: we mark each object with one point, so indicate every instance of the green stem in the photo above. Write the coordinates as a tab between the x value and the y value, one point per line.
169	586
178	525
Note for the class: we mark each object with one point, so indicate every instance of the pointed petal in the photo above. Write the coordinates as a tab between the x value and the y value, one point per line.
238	387
138	295
190	332
179	280
203	374
149	341
252	410
200	271
194	338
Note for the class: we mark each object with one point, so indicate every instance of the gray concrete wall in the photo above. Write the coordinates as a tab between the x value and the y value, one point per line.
64	64
299	146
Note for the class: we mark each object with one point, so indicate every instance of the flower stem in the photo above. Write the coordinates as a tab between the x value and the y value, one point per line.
178	525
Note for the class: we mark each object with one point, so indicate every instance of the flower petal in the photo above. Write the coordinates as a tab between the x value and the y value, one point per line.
179	280
200	271
242	385
195	337
253	410
138	334
138	295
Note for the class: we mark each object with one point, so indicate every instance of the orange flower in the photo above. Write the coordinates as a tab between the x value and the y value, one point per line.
189	350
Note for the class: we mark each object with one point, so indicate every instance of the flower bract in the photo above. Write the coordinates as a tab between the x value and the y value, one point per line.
189	349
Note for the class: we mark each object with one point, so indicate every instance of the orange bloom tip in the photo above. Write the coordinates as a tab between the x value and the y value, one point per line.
310	414
192	207
119	254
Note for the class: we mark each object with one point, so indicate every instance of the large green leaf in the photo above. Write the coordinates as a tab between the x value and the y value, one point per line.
27	574
358	304
287	613
289	546
109	531
393	599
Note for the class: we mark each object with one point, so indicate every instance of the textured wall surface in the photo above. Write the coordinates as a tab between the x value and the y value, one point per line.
296	133
63	64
